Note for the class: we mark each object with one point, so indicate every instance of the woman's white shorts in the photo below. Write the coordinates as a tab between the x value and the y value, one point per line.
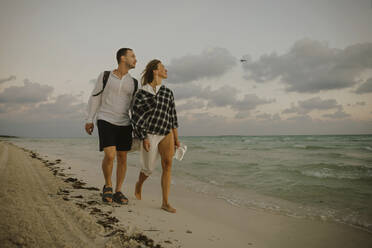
150	159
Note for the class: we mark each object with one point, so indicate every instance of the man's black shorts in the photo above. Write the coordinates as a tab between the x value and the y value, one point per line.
113	135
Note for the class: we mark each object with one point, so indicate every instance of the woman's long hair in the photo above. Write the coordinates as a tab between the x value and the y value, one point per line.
148	73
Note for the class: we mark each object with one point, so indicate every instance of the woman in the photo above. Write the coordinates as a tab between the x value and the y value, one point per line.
154	121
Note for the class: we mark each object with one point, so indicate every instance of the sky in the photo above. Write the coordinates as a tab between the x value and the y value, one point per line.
235	67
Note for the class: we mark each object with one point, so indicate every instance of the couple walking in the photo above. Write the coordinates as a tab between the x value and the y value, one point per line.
149	113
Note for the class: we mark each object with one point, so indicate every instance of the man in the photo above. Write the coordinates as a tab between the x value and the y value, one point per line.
110	103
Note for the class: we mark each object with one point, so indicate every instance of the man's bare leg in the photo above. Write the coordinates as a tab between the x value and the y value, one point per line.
107	165
166	150
138	191
121	169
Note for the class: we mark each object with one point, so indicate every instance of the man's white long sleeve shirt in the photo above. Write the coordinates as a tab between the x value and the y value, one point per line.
113	104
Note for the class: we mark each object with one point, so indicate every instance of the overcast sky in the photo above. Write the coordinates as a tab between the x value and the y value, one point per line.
307	65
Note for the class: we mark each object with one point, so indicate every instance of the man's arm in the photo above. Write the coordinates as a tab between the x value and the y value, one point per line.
139	120
93	105
141	112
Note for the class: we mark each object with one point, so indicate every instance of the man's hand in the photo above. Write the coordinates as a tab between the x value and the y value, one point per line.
89	128
177	143
146	145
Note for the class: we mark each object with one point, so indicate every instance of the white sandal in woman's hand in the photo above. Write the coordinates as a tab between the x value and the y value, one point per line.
180	152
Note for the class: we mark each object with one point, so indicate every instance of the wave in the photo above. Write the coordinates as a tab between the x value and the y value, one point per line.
230	201
300	146
337	166
196	147
301	211
312	147
215	183
361	171
328	173
236	152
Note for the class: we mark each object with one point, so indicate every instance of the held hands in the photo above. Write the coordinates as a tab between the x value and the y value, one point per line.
146	145
89	128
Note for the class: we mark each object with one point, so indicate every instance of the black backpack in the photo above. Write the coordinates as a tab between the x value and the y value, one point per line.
106	75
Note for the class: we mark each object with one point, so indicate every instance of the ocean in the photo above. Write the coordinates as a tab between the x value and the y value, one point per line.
325	177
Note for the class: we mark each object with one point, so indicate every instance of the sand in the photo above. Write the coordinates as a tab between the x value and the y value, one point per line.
42	205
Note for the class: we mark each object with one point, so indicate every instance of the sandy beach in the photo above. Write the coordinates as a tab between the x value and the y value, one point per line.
43	205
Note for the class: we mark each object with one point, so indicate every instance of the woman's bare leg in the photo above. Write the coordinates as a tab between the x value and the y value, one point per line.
138	191
166	150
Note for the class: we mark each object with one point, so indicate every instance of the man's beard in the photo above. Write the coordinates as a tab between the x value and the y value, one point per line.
130	66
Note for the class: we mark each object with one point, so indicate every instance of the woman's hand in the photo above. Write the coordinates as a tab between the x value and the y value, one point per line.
146	145
177	143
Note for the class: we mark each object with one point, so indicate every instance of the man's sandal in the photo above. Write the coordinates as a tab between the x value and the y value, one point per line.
120	198
106	194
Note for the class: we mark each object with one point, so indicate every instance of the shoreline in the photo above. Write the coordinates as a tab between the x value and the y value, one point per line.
200	221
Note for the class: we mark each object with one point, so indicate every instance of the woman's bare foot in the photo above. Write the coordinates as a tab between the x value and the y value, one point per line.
168	208
137	192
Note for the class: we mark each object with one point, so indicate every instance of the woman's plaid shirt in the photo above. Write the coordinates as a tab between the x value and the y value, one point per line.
154	114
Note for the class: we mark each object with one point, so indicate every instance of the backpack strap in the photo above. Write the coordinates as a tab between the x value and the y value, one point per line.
135	81
106	75
135	86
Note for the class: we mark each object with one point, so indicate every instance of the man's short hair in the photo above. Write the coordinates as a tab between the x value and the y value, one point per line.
122	52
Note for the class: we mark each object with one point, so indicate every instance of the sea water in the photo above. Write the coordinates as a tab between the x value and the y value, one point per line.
326	177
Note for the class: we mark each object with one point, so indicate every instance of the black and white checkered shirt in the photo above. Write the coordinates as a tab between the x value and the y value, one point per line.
154	114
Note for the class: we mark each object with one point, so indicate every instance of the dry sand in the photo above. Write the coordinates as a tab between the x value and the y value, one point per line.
39	209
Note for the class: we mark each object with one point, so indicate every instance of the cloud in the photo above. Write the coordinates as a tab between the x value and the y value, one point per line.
300	118
62	116
4	80
250	101
184	91
365	88
271	117
30	110
28	93
220	97
211	63
339	114
207	124
190	104
225	96
65	106
315	103
13	107
93	81
362	103
312	66
202	124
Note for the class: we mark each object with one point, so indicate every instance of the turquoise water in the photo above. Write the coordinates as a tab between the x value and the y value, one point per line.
329	177
325	177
